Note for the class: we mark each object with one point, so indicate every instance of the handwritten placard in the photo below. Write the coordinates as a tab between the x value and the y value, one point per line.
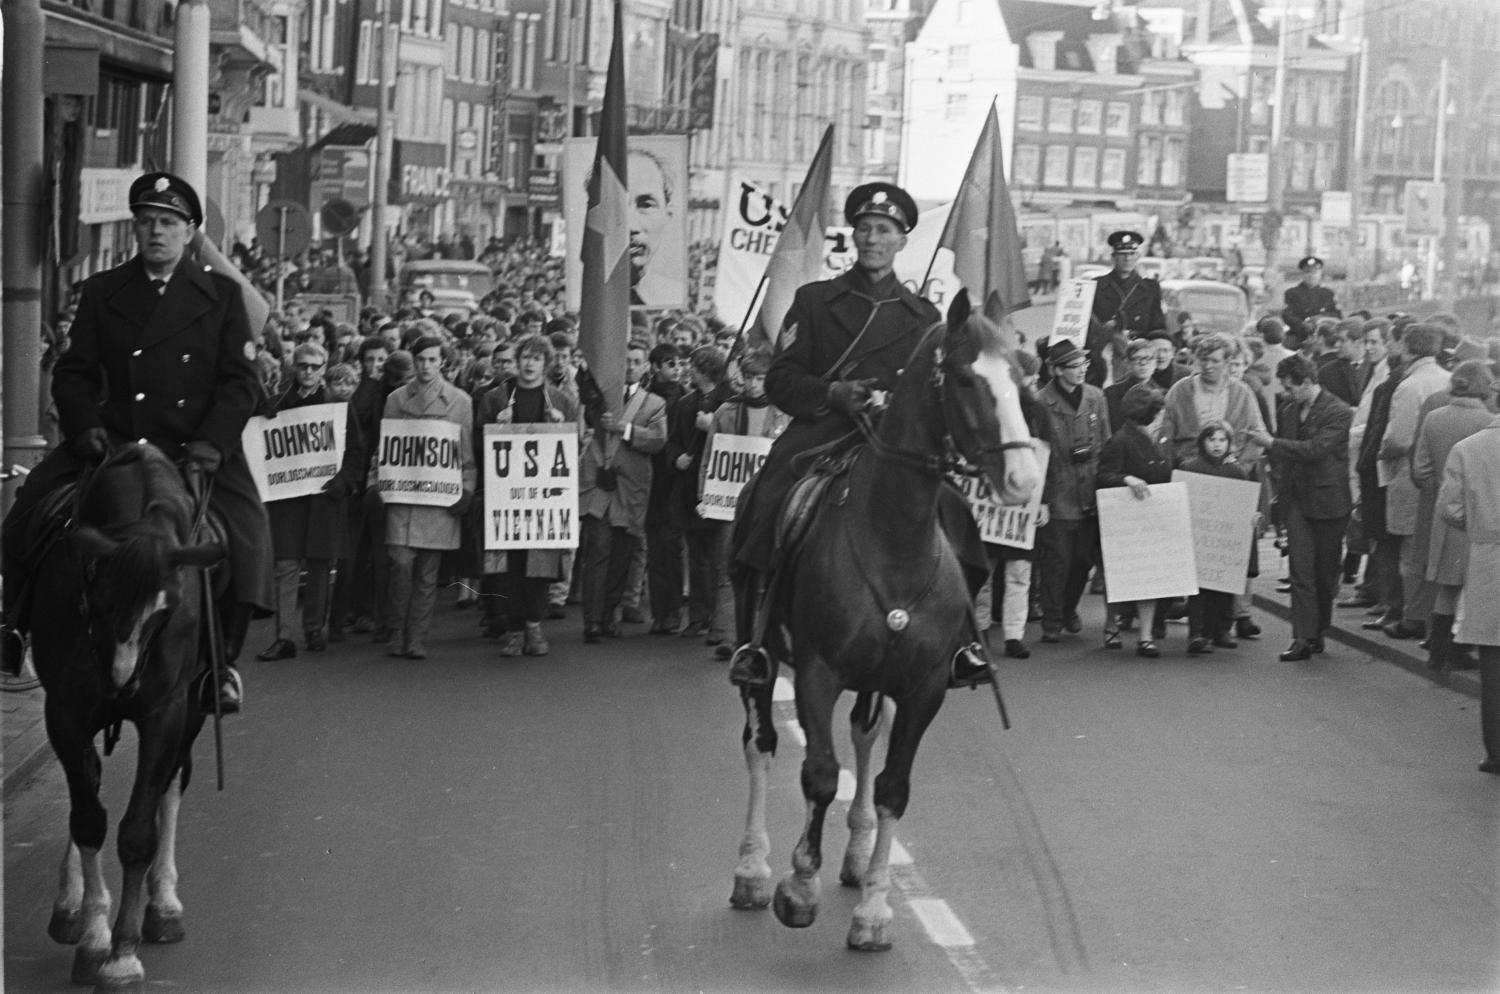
727	466
1074	307
1005	524
419	462
1148	543
297	452
1221	510
530	481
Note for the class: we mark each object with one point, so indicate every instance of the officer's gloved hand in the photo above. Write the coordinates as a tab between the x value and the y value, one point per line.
849	396
91	443
204	455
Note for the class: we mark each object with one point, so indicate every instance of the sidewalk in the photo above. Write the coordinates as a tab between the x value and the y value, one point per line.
1346	630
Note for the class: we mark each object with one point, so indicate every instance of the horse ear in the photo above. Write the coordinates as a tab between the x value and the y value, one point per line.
201	556
92	543
959	310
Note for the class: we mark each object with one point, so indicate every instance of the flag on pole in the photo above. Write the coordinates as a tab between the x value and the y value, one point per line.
982	233
798	258
604	314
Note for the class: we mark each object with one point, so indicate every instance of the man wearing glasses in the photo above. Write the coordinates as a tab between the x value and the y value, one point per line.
1127	305
1067	546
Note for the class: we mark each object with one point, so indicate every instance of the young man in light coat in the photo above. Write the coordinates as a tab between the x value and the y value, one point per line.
415	535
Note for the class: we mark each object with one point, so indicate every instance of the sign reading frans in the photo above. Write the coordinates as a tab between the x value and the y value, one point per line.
727	466
297	452
1014	525
419	462
530	481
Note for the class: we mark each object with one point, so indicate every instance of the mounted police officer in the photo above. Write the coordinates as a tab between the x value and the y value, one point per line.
1309	298
161	352
843	340
1127	305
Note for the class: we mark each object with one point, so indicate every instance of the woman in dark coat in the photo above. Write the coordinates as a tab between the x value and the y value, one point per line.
306	532
1135	456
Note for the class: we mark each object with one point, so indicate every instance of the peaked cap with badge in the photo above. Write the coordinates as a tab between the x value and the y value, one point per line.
1125	241
168	192
883	199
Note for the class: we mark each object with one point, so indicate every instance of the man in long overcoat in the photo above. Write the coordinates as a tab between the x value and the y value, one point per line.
1127	306
161	352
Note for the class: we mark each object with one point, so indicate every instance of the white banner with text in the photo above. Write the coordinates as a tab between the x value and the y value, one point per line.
728	465
419	462
296	452
529	476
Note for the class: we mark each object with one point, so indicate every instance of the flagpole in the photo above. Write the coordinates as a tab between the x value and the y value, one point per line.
749	313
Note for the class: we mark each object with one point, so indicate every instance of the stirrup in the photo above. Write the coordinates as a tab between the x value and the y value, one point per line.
969	667
750	667
230	691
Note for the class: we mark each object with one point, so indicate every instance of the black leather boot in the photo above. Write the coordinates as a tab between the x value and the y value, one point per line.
970	667
750	666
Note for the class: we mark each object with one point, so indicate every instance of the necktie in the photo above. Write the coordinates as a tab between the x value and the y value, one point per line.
159	286
628	392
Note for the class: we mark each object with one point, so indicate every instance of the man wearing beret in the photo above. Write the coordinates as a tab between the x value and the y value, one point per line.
1127	305
160	352
842	340
1308	299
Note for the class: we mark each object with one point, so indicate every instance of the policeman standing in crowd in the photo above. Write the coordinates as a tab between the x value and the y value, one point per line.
1127	306
1308	299
842	340
161	351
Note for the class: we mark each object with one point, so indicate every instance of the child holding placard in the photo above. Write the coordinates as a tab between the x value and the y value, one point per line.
1211	612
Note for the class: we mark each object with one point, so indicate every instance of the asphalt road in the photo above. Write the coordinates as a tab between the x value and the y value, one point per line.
469	823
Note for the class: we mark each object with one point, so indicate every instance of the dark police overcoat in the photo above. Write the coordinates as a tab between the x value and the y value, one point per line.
1304	302
170	369
1133	303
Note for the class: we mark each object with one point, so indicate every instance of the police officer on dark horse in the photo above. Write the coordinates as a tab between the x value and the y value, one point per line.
842	340
161	352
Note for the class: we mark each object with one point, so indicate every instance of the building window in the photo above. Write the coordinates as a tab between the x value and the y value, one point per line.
466	52
1117	119
957	106
1028	113
958	58
1174	110
367	60
1024	171
1112	175
1085	166
1060	115
1324	156
1090	116
1173	153
1151	102
1057	165
1148	165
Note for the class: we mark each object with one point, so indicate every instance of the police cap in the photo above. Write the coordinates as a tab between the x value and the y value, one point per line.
167	192
1309	263
1125	241
885	199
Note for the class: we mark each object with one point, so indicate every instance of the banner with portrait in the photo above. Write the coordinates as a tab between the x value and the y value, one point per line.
529	476
656	218
419	462
1148	544
296	452
727	466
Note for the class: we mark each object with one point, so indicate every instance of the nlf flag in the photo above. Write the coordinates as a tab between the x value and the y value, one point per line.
981	231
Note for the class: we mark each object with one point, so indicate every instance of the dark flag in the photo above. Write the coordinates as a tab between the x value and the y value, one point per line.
982	233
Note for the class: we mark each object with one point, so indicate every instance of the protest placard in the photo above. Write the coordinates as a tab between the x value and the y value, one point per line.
296	452
1074	307
1221	510
1148	544
728	465
529	475
1005	524
419	462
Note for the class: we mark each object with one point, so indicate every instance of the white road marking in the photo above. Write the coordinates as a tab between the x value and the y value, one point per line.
942	925
846	786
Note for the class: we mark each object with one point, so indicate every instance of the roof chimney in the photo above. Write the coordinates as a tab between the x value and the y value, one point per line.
1043	47
1104	51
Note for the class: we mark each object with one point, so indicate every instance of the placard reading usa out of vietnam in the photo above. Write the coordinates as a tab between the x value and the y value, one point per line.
419	462
297	452
727	466
529	475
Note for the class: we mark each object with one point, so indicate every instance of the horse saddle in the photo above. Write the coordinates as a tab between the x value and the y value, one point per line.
827	479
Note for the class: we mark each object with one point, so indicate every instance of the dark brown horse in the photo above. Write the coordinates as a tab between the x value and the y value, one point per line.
874	600
116	637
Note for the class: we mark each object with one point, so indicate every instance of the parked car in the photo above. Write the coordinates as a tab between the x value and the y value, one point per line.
1156	267
456	285
1203	267
1215	306
1089	270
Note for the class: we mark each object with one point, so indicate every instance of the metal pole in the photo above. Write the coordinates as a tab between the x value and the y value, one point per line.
383	151
1439	149
572	64
24	224
1276	202
190	95
281	213
1357	159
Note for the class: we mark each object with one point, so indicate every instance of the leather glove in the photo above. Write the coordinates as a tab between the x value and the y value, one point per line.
91	443
849	396
204	455
461	507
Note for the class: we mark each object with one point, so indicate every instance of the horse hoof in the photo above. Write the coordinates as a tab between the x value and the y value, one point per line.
868	938
789	912
86	964
162	926
751	893
851	878
66	927
123	974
